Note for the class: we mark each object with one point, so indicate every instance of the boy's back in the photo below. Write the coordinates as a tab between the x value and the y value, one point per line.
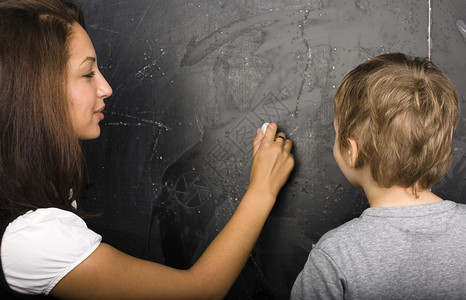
395	117
414	252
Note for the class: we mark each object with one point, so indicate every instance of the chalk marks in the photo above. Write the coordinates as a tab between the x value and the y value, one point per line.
363	5
222	161
140	122
320	55
461	27
191	191
229	157
198	50
429	30
270	108
146	71
293	131
242	134
99	27
460	166
244	131
308	61
238	71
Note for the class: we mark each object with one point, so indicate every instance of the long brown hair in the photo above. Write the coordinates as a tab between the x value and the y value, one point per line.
40	155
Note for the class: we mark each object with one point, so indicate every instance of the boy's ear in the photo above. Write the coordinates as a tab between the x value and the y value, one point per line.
352	152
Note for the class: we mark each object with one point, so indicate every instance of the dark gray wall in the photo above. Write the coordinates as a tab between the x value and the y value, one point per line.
192	81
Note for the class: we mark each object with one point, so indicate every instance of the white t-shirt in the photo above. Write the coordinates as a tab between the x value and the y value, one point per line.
40	247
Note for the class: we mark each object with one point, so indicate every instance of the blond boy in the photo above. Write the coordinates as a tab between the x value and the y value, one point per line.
394	121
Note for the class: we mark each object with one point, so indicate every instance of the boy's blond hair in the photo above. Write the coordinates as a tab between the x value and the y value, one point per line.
402	112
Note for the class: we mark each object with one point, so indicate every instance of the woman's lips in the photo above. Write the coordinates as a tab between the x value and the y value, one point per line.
99	113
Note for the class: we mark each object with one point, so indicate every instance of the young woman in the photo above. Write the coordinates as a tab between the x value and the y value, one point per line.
51	97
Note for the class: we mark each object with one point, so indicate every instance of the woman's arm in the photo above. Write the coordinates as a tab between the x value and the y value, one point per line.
110	274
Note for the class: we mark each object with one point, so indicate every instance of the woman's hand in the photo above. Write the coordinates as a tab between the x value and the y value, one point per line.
272	161
110	274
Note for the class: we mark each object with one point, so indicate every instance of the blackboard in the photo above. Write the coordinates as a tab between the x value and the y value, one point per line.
192	81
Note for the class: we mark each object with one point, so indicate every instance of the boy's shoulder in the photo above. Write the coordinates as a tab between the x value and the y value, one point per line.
376	224
343	234
461	207
460	210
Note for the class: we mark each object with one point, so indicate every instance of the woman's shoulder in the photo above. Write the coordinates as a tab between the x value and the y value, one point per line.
46	228
39	247
43	216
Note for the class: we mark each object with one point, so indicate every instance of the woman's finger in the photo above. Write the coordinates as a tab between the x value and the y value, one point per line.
288	145
257	141
281	136
271	131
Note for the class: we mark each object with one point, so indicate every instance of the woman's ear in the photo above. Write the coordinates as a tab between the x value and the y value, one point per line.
352	152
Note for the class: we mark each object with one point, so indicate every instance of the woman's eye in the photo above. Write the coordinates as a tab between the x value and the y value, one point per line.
90	75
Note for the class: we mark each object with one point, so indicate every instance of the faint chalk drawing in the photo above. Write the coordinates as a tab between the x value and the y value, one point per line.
280	4
191	190
320	64
461	27
271	109
238	72
460	167
363	4
198	50
242	135
221	160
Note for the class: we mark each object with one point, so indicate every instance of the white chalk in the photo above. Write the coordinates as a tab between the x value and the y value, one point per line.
264	127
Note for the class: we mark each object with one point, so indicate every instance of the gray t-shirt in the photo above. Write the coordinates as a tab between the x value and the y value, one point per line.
411	252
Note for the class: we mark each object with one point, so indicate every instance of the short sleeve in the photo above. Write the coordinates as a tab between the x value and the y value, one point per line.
40	247
319	279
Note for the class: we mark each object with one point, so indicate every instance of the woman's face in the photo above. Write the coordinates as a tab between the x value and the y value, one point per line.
87	88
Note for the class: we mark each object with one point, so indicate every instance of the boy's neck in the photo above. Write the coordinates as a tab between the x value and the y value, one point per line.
398	196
